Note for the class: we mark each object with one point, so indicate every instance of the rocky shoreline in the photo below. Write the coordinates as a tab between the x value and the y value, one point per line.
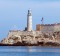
30	40
48	44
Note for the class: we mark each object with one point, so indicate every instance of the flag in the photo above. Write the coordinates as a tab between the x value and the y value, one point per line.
42	19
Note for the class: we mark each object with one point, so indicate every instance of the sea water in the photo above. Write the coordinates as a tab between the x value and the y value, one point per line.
29	51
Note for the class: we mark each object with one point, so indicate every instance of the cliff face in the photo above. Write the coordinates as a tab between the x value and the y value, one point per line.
34	39
11	40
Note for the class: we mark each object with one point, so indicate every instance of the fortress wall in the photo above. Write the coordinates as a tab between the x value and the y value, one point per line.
47	28
57	27
44	28
18	32
50	28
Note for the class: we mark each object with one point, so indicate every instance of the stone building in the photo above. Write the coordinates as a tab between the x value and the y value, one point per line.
38	27
48	28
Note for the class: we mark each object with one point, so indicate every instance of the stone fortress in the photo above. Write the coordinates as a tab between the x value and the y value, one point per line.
48	28
29	35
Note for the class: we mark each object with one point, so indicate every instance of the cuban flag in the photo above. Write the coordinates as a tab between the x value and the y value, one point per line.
42	19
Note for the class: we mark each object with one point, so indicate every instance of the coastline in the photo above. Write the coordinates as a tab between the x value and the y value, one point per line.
41	44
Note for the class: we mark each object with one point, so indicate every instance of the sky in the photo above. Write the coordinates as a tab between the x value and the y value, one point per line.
13	14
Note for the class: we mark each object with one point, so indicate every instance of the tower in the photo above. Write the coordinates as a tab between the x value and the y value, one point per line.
29	20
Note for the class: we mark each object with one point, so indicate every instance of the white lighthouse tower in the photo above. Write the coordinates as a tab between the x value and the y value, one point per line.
29	20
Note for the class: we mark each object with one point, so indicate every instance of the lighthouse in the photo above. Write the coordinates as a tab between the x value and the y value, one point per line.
29	20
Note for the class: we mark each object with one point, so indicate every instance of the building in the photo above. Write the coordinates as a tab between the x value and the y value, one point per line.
48	28
38	27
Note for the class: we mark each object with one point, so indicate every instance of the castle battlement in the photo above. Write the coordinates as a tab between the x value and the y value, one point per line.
49	24
48	28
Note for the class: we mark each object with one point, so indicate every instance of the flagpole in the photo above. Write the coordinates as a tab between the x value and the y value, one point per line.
42	20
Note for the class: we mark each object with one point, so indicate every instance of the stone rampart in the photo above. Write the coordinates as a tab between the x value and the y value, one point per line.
50	28
18	32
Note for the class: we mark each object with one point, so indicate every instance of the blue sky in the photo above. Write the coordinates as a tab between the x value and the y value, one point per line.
13	13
